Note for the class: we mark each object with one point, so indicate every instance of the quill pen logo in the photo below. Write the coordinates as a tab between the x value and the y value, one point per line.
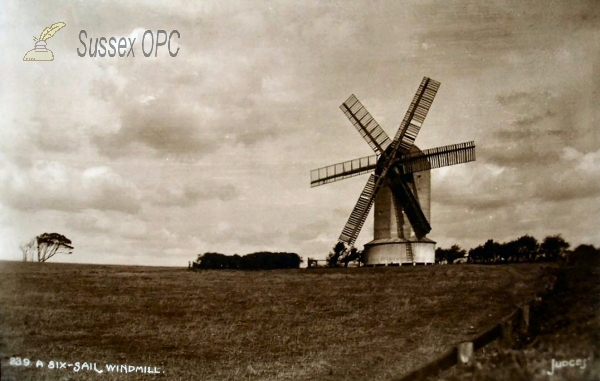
40	52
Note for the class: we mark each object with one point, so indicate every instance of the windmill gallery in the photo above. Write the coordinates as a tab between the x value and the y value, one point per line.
400	186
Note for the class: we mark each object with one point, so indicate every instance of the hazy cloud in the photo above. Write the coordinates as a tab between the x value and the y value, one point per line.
190	194
159	124
306	232
514	155
575	177
51	185
503	202
106	222
523	98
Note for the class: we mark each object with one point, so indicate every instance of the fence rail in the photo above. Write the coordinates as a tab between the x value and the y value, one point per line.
462	352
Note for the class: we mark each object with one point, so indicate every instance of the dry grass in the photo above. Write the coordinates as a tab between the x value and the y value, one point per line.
320	324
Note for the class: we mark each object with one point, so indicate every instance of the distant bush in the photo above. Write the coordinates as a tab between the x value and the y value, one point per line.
256	261
449	255
342	256
333	258
584	254
553	247
265	260
217	261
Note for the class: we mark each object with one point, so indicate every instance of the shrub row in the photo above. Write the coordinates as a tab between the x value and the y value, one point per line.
263	260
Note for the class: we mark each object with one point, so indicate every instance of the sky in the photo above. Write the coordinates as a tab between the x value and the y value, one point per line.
153	160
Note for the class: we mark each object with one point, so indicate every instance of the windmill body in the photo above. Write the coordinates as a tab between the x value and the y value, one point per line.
394	240
399	184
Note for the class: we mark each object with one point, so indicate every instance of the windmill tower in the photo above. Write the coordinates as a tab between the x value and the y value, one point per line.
399	185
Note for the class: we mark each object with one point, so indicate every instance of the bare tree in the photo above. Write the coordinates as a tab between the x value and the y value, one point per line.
29	250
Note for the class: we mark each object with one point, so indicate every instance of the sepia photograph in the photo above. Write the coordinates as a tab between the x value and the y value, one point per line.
300	190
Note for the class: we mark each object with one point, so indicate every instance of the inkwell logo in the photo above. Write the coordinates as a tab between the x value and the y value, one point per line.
40	52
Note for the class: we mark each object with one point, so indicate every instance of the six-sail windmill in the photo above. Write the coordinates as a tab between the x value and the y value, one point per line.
399	185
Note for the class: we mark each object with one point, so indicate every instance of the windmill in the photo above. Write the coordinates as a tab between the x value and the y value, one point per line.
399	185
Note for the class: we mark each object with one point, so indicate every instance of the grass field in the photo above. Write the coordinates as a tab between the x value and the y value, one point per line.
317	324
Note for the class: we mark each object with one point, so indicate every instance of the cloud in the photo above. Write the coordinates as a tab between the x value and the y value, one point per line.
107	223
191	112
523	97
517	155
540	125
50	185
242	236
160	125
190	194
532	119
569	175
52	135
575	178
512	135
310	231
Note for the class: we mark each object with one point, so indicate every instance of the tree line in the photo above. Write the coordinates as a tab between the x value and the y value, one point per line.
263	260
523	249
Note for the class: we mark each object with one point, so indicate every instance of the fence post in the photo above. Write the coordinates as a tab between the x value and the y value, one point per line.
465	353
524	322
507	332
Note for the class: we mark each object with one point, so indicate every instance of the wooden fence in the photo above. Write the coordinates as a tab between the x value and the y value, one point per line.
462	353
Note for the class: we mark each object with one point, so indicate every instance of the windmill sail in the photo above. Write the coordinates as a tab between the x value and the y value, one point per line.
438	157
415	116
361	210
397	205
366	125
404	196
342	171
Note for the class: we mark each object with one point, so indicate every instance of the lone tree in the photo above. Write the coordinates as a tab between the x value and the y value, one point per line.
45	246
